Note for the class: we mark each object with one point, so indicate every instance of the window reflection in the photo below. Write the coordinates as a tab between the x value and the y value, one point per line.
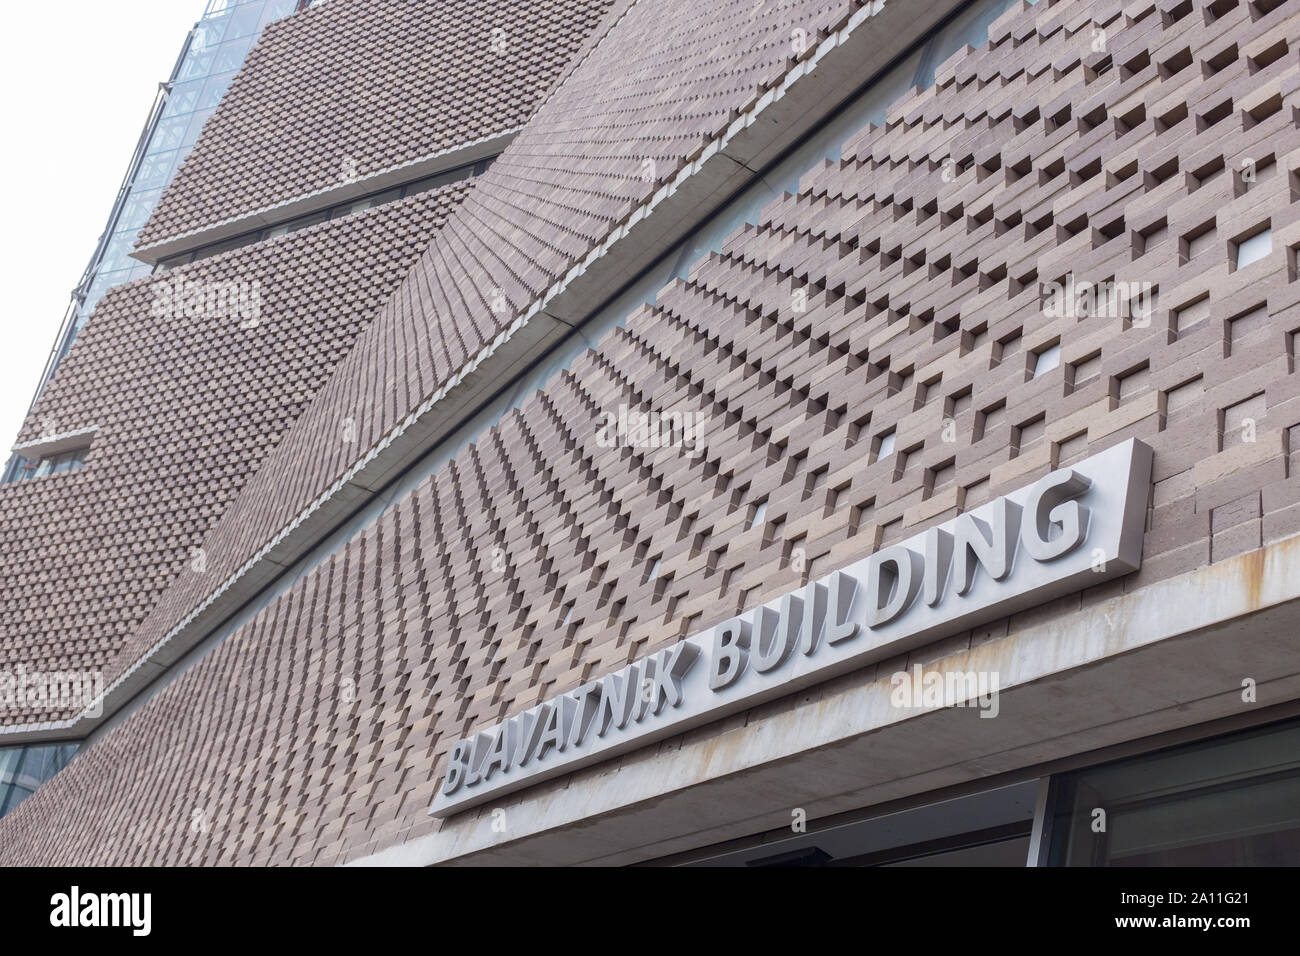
24	769
52	464
1230	801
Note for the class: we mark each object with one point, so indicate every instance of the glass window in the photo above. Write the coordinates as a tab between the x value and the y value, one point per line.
276	9
231	55
169	134
54	464
1046	360
101	284
213	91
1254	248
117	250
183	98
225	245
24	769
312	220
334	212
14	470
987	828
195	128
442	179
370	202
1228	801
212	29
155	170
138	206
384	198
135	270
167	265
109	277
244	20
197	64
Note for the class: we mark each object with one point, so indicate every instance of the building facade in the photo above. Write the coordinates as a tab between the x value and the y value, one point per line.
814	432
212	54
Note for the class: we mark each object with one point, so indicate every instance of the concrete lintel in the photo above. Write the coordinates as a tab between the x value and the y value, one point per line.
305	205
56	444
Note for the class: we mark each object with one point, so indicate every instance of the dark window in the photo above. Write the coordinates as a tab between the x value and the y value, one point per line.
1230	801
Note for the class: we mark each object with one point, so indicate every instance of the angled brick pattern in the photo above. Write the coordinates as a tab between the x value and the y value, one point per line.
567	180
187	408
539	558
368	86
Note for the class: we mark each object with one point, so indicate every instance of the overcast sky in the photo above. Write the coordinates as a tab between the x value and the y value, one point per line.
77	80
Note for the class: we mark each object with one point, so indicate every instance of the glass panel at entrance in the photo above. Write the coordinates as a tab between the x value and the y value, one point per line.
1229	801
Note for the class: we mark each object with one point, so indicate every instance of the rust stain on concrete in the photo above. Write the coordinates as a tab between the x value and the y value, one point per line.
1253	569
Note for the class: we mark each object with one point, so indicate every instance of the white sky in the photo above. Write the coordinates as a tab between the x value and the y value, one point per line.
77	80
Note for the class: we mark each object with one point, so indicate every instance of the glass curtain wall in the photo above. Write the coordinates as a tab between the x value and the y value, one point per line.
23	769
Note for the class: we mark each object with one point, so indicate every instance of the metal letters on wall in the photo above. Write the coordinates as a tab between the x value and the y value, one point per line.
1071	530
